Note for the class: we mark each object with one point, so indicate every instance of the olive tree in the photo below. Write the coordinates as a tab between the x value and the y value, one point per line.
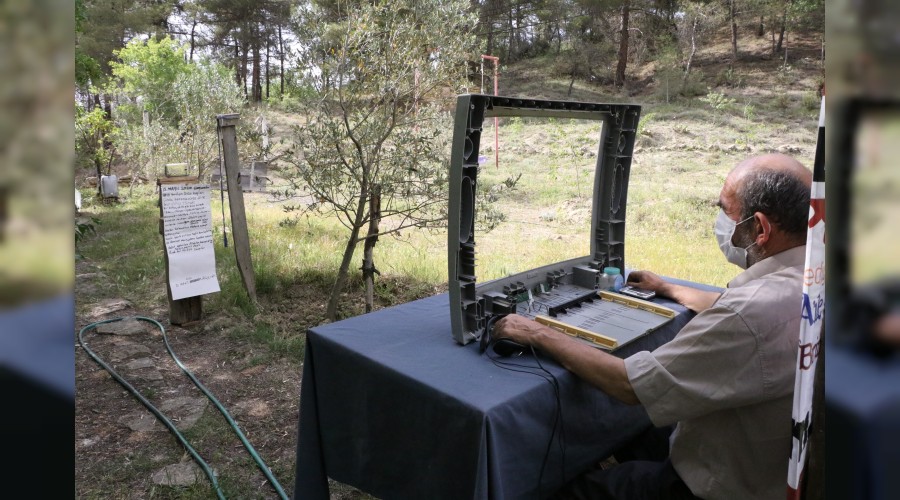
374	149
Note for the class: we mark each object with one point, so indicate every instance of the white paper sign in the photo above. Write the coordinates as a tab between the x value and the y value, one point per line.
187	229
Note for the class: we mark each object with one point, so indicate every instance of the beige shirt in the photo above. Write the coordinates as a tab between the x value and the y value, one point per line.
727	379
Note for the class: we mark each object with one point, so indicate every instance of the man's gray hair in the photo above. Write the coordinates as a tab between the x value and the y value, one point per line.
781	196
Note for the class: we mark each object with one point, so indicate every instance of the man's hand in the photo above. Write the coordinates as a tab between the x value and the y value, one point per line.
694	299
517	328
648	281
596	367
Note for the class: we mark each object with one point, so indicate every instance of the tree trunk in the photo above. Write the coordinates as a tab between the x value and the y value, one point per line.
244	60
779	46
761	31
734	31
257	70
341	280
558	38
773	41
687	69
510	37
281	59
368	266
490	38
237	64
623	45
193	32
267	68
571	84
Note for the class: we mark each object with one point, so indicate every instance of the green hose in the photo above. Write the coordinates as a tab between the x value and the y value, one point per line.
262	466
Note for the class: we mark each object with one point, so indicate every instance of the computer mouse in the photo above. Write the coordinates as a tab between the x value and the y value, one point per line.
508	348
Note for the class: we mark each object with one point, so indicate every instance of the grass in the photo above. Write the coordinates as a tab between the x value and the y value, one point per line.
680	162
682	155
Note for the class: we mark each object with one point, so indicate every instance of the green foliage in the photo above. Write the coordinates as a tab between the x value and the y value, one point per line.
200	93
148	69
729	77
82	229
786	75
811	100
749	111
93	134
718	101
376	123
643	123
182	127
693	85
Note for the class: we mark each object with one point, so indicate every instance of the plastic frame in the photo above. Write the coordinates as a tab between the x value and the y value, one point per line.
471	304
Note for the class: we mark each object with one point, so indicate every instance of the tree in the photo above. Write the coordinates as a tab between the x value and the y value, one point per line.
623	44
104	26
699	18
244	32
148	69
180	100
373	148
93	138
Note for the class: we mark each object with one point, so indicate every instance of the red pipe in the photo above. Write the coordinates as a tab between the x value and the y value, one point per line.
496	61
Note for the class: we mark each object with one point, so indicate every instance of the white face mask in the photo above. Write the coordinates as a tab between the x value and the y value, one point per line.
724	230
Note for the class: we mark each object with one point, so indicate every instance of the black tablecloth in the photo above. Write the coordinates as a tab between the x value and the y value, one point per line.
862	403
392	405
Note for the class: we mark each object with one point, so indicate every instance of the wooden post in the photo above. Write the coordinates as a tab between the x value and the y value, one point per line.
240	236
182	311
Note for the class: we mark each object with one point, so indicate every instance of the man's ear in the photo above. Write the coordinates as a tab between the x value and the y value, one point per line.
765	229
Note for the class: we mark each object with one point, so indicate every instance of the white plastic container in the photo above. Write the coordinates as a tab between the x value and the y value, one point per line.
109	186
612	279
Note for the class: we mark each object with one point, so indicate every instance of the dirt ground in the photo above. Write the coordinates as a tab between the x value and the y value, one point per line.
123	452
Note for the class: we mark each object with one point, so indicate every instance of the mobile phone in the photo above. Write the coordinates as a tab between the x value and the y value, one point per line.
637	292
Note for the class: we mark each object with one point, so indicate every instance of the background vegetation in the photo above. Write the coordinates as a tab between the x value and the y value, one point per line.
356	97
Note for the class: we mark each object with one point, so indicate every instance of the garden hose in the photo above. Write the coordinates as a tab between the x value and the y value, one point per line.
203	465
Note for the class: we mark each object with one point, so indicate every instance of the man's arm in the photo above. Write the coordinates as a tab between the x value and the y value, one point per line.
600	369
694	299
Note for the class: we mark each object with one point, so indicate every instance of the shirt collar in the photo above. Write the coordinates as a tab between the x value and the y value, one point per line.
794	257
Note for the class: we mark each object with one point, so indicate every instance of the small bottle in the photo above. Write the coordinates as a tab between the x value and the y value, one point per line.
615	278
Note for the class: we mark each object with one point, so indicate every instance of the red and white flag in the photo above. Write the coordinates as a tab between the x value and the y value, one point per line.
812	312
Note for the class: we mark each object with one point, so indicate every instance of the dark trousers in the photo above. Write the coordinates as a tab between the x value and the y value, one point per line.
644	472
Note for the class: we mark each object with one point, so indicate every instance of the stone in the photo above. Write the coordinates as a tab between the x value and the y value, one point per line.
128	350
184	411
139	364
141	422
182	474
108	306
128	326
147	375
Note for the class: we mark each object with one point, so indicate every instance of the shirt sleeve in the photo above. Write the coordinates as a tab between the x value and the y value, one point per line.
712	364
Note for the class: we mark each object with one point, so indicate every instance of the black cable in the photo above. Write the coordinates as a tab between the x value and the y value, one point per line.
221	177
562	428
557	417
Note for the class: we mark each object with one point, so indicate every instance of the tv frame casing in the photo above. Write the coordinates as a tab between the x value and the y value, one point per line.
469	306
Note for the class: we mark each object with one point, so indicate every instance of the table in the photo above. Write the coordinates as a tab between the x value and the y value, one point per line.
37	381
392	405
862	415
